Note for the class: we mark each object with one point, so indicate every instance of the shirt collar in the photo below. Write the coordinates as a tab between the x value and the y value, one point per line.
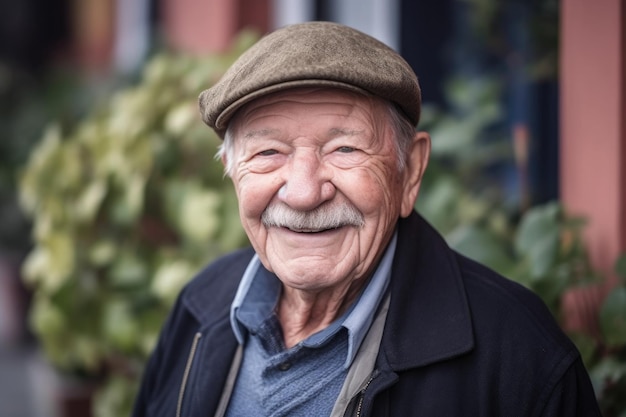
259	290
359	320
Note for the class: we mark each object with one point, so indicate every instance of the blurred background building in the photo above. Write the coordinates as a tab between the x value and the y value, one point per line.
560	69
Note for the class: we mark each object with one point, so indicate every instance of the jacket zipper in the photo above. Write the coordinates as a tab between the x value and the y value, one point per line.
359	407
183	385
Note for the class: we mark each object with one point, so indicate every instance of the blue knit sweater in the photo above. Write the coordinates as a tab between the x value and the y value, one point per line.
301	381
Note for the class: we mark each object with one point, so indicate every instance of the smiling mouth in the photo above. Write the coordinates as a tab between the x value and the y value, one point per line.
298	230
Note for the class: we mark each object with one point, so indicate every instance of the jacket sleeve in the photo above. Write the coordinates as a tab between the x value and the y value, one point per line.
146	387
573	395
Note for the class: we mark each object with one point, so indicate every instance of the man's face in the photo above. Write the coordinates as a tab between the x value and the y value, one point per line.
320	192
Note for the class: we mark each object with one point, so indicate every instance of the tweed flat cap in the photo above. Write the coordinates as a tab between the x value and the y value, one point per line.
312	54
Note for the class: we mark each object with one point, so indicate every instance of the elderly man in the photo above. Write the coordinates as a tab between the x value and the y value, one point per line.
348	303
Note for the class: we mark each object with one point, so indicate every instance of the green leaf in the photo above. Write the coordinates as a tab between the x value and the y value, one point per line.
181	118
119	324
126	210
102	253
87	352
538	223
51	263
613	318
440	203
231	235
478	244
170	279
129	270
538	238
452	135
46	318
117	394
199	219
89	201
543	255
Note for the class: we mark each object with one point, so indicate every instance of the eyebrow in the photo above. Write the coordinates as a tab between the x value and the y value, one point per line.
259	133
334	132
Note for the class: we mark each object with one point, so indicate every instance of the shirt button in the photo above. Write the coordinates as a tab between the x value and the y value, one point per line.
284	366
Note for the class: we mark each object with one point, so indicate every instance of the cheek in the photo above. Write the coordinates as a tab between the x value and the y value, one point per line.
375	192
252	201
255	193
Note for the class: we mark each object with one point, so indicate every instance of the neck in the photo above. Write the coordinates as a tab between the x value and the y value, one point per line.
303	313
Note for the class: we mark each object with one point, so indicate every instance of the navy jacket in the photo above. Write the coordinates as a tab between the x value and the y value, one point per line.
459	340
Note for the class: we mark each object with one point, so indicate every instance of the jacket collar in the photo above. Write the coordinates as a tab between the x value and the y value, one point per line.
429	318
208	297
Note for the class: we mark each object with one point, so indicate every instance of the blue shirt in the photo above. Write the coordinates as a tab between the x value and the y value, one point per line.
305	379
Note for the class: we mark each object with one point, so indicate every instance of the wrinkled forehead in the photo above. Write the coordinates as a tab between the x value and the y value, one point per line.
332	98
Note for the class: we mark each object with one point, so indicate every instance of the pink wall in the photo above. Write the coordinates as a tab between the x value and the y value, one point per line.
201	26
92	29
593	133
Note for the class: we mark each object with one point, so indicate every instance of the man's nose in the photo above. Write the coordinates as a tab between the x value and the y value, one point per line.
307	182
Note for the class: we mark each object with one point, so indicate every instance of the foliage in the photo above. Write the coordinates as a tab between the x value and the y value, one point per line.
551	257
460	194
27	102
607	361
126	207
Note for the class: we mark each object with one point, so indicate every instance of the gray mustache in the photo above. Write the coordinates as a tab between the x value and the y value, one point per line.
321	218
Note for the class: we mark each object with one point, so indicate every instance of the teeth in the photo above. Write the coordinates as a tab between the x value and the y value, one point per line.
325	229
306	230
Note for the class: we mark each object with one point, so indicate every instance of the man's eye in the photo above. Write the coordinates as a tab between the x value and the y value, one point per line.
268	152
345	149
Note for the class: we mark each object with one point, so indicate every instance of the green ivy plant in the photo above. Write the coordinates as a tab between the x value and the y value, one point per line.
458	197
550	254
126	206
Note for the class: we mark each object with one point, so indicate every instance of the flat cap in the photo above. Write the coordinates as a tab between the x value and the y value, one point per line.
312	54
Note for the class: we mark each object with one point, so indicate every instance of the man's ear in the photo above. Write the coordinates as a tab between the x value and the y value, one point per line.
417	160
